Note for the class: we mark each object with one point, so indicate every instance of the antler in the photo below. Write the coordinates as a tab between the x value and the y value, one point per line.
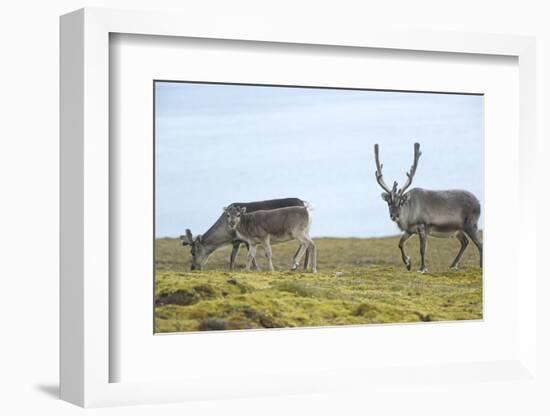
410	174
378	172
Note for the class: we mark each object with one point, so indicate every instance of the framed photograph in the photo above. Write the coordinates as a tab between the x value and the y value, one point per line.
263	145
269	212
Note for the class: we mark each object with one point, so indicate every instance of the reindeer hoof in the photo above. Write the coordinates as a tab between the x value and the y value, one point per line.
424	270
314	271
408	263
295	267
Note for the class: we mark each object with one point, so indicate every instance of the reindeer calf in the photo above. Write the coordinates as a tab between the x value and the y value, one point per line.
273	226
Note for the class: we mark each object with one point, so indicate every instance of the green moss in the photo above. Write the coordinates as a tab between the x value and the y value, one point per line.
360	281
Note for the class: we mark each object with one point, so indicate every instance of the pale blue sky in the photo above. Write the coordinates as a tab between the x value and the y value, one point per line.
216	144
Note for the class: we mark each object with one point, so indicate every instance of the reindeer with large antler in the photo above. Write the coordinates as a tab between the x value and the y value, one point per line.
436	213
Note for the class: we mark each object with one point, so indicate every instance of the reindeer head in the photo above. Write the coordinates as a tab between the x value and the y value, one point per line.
198	251
395	198
233	215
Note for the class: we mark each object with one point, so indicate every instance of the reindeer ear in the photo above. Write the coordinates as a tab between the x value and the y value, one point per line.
189	236
243	210
405	197
184	240
385	196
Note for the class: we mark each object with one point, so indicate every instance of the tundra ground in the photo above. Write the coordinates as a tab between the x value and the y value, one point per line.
360	281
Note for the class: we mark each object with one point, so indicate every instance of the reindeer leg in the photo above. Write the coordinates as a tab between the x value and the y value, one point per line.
251	257
298	256
294	264
254	263
463	244
313	257
423	242
306	260
406	259
472	233
234	252
268	254
311	248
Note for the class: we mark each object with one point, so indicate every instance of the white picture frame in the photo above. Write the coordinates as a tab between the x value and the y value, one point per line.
85	220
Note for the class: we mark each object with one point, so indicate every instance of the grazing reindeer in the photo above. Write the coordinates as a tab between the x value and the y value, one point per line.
436	213
220	235
273	226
